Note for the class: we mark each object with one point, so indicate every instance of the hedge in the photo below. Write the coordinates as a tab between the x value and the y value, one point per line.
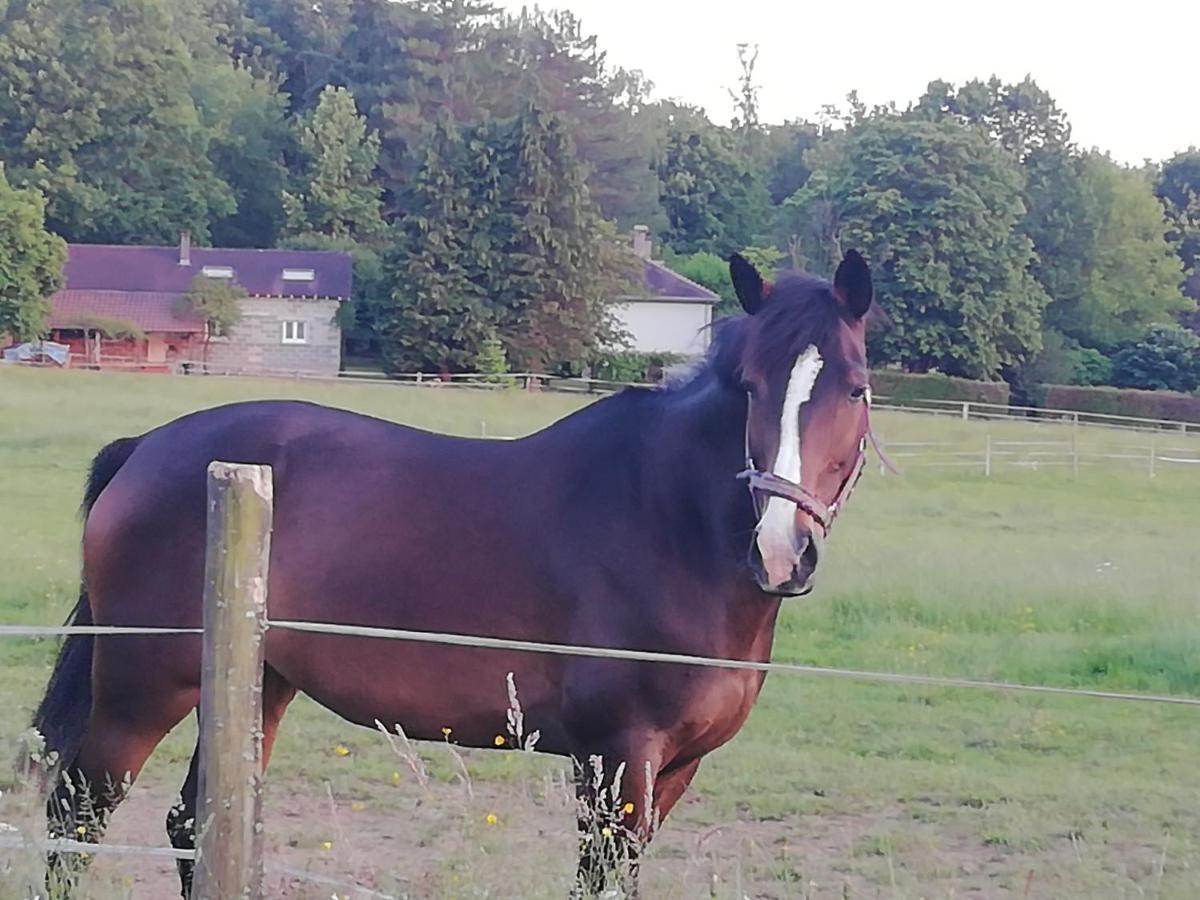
906	387
1123	402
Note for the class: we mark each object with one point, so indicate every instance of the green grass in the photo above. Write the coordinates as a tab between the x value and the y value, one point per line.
1030	576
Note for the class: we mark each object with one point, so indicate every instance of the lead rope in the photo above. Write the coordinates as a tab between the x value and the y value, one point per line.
883	457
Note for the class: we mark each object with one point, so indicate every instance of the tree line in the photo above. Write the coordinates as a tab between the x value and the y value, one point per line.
480	167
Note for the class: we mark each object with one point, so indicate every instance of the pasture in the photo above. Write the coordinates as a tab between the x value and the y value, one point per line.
834	788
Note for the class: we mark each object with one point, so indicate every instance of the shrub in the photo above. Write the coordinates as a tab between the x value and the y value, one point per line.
906	387
632	367
491	359
1166	358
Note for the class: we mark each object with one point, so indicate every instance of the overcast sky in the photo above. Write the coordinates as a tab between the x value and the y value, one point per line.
1128	75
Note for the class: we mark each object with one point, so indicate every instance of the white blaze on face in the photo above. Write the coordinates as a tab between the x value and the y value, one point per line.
776	533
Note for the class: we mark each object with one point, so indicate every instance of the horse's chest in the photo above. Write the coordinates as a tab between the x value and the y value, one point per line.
718	708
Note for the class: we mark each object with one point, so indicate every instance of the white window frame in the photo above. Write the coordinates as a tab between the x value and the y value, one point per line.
217	271
299	275
294	331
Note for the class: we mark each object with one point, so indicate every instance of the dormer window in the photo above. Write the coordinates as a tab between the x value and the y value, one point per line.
217	271
299	274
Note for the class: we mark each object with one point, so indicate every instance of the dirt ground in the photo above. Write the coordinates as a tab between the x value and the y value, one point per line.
506	840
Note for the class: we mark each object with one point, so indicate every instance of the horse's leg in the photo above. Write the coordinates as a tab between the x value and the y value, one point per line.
615	820
120	736
181	820
669	786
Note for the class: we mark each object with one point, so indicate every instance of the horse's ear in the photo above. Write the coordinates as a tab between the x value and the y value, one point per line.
852	284
747	283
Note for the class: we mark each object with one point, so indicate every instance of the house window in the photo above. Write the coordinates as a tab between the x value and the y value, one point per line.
295	332
299	274
217	271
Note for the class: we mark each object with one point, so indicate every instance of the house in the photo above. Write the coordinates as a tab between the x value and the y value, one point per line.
125	306
670	314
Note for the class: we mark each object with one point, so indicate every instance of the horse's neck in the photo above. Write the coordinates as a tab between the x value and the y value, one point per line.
694	453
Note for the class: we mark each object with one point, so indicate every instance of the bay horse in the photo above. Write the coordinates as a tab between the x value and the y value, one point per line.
625	525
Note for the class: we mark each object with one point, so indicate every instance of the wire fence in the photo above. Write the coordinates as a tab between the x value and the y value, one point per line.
541	647
485	642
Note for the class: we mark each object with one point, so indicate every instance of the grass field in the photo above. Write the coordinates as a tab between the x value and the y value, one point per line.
834	788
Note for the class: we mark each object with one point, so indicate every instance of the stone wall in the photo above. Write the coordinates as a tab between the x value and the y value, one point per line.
256	343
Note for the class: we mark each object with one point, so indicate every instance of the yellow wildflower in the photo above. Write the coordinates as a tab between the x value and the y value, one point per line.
82	829
396	778
326	845
341	750
606	831
491	819
446	729
628	808
498	740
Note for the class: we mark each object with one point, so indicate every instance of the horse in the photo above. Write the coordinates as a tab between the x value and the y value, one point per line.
673	518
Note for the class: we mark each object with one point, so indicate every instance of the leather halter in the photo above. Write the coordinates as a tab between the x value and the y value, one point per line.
771	485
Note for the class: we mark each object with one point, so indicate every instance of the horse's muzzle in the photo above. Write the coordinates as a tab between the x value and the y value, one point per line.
795	580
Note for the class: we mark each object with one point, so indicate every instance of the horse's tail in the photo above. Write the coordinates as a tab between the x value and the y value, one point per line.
62	716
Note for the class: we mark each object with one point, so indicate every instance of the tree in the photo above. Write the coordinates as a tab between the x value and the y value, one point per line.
746	123
31	262
250	138
437	319
1020	117
710	271
785	162
1167	358
713	197
1178	187
98	114
1062	217
338	196
1132	279
547	58
561	262
218	301
936	209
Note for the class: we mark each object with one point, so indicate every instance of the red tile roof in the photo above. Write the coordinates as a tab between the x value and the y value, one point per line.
149	310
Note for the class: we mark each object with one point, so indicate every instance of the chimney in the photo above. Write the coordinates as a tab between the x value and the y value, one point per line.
642	244
185	248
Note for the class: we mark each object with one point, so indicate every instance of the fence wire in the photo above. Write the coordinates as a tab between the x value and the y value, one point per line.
781	668
653	656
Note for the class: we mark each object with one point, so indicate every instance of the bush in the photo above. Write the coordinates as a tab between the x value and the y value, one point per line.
632	367
906	387
1117	402
1166	358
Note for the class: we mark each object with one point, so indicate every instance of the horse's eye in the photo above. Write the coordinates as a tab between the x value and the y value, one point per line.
859	393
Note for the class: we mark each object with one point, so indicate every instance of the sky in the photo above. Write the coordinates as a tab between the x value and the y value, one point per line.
1128	75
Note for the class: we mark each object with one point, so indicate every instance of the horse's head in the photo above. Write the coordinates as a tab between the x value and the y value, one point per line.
800	355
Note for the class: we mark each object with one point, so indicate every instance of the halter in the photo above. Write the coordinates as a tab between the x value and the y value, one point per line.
773	485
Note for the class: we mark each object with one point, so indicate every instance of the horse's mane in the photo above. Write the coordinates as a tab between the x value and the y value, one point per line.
801	310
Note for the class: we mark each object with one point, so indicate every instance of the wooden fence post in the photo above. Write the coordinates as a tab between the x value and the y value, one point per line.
1075	444
229	814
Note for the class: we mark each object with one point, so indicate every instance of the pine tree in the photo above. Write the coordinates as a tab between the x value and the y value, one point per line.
561	266
338	197
437	319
